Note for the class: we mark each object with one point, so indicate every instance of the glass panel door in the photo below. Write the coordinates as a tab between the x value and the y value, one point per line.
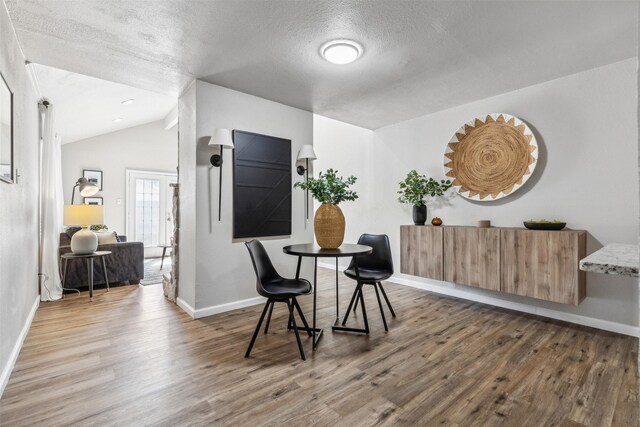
147	202
149	209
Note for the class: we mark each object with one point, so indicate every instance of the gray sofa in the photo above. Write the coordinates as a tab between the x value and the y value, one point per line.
125	264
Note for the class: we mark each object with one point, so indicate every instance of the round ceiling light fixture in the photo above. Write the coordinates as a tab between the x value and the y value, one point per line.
128	101
341	51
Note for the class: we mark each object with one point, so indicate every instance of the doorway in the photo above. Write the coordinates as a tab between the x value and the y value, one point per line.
149	209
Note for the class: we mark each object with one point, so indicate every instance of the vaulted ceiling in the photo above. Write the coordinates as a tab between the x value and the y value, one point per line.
86	106
419	56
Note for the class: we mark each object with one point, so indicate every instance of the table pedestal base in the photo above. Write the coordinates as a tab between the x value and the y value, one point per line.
339	328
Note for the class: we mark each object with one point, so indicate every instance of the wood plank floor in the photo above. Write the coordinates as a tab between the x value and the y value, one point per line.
132	358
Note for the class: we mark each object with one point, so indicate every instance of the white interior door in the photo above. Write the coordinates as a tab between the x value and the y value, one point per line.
149	213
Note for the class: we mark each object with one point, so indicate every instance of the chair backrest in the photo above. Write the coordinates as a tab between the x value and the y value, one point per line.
265	271
378	260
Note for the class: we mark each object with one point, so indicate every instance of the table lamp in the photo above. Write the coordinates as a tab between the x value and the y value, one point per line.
84	241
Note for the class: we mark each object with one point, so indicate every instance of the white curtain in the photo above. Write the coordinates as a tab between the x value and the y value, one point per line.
51	206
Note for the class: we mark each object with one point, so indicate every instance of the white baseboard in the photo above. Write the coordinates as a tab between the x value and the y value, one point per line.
13	357
221	308
606	325
215	309
186	307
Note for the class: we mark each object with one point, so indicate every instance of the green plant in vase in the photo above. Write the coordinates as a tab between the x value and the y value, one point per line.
330	189
418	190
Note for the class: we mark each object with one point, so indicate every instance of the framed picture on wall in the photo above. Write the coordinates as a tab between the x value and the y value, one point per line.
261	185
93	176
6	132
93	201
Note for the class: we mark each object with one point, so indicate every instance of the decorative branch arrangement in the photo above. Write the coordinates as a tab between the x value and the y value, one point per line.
415	188
329	187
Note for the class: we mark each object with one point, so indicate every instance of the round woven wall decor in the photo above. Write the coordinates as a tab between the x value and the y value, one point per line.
490	157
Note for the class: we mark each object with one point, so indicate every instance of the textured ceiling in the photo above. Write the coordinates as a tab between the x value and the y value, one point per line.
420	56
86	106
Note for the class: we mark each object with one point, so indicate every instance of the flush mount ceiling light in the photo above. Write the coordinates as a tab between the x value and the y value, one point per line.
341	51
128	101
118	120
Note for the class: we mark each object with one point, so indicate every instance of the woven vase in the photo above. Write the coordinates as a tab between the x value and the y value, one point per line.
328	226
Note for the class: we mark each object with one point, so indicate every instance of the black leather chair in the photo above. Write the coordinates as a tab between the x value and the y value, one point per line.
373	269
276	288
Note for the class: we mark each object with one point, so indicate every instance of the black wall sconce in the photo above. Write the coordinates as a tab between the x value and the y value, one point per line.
221	138
306	153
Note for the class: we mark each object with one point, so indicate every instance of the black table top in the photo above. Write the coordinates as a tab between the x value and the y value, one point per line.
91	255
315	251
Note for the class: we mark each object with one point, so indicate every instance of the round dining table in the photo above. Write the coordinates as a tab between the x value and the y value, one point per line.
310	250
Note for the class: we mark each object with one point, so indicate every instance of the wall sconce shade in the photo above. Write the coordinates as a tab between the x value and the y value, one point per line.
306	152
222	138
86	188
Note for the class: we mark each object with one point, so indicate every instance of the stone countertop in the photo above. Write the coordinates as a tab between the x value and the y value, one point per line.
615	258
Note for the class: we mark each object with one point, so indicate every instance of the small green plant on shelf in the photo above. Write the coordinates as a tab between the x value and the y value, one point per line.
329	187
416	188
98	227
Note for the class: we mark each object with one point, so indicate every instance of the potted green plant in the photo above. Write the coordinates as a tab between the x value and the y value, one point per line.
330	189
416	188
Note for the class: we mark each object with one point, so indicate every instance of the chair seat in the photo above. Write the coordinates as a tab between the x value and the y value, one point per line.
368	275
286	288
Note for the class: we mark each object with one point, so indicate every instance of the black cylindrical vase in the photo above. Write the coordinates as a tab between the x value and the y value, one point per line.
420	214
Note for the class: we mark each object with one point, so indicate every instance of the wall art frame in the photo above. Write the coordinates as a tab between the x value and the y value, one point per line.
7	167
93	201
93	176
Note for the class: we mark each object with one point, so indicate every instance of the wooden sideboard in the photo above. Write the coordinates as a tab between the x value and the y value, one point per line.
532	263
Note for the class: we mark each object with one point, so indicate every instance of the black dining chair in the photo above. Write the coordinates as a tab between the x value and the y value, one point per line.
373	269
276	288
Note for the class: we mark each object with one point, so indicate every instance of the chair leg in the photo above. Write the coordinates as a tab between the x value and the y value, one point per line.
353	298
355	305
364	310
255	333
295	328
384	320
384	294
304	321
266	327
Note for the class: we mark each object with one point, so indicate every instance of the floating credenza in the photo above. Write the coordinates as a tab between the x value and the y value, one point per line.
532	263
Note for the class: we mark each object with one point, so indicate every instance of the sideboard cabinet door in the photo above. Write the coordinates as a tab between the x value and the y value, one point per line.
543	264
472	256
421	251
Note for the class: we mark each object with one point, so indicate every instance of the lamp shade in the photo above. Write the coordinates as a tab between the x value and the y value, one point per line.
87	189
306	152
221	137
83	215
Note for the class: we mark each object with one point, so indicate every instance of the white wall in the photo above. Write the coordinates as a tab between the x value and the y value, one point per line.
187	143
585	125
348	149
18	207
223	271
146	147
